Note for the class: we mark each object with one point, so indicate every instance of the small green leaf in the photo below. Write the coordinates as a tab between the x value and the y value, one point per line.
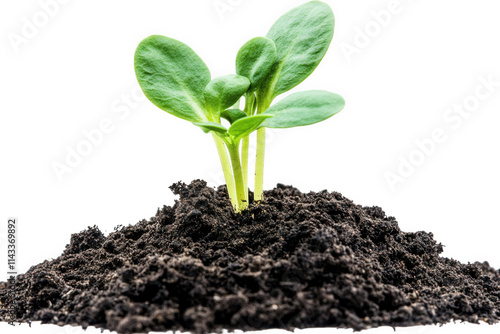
172	76
211	126
245	126
232	115
223	92
302	37
255	59
303	108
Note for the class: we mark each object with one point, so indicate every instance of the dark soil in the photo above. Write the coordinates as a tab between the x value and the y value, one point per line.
295	261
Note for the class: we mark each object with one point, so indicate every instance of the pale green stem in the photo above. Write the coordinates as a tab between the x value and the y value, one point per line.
226	168
245	143
259	159
259	164
241	193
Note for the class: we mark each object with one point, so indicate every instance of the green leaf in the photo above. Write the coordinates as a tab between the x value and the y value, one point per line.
223	92
172	76
302	37
232	115
245	126
211	126
255	59
303	108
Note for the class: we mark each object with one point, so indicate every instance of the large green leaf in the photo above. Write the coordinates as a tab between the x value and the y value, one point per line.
246	125
255	59
303	108
172	76
223	92
302	37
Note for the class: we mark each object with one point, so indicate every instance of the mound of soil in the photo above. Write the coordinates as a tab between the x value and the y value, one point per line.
294	261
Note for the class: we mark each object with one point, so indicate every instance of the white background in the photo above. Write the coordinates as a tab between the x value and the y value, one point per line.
76	70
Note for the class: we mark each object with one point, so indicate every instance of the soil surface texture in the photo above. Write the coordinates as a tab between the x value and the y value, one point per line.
295	261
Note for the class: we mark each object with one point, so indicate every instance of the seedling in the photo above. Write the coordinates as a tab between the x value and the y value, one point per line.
176	80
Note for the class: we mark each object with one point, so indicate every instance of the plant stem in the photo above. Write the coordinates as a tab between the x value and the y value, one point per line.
259	164
263	105
245	143
226	168
241	193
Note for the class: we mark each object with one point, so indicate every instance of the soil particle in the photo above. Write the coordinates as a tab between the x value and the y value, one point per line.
294	261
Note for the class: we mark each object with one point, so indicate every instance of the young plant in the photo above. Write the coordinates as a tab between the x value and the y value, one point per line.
177	81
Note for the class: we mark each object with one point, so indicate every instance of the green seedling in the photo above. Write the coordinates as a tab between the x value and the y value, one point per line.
177	81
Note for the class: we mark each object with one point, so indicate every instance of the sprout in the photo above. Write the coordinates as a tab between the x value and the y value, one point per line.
177	81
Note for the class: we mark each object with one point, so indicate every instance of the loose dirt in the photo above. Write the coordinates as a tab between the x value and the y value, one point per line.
295	261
